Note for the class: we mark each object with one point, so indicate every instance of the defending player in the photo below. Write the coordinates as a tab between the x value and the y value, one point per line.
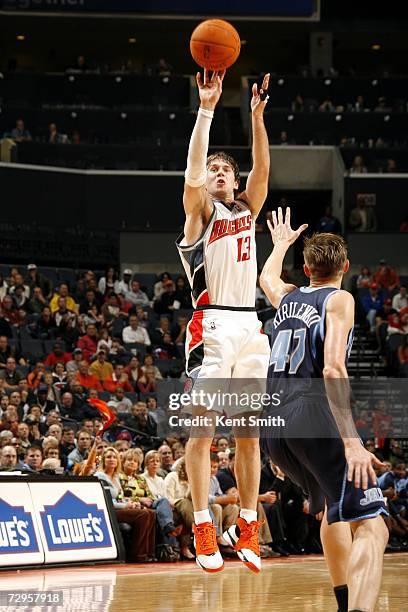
311	338
224	339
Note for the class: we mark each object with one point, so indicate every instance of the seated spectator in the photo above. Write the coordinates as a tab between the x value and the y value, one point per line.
124	284
23	434
159	331
165	303
73	365
3	287
45	328
147	383
58	355
8	310
298	105
63	314
119	378
6	351
142	520
9	420
140	420
10	375
391	166
88	304
363	218
55	137
8	458
364	279
34	458
37	301
118	353
109	283
59	376
104	341
372	303
178	449
135	332
159	286
136	295
167	349
89	342
177	491
134	371
358	167
400	299
20	299
135	488
72	408
394	485
119	401
382	106
86	379
327	106
182	298
386	277
19	132
148	365
67	444
178	331
329	223
283	139
18	281
359	105
36	279
112	310
166	460
101	368
83	445
63	291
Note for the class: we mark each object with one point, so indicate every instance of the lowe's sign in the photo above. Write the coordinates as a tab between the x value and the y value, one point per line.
71	523
17	534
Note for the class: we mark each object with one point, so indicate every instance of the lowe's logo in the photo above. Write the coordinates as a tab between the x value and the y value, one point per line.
73	524
17	533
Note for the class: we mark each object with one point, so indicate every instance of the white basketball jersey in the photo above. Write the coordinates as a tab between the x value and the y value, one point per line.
221	266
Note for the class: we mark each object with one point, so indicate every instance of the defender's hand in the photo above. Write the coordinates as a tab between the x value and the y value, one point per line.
260	98
360	466
280	229
210	89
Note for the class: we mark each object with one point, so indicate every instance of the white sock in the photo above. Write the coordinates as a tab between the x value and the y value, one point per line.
248	515
202	516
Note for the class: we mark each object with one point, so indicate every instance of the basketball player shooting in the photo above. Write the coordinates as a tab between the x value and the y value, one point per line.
311	339
224	339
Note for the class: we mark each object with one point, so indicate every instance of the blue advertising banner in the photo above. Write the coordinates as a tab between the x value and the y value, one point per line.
17	533
272	8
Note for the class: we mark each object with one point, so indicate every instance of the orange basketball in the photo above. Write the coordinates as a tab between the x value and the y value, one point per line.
215	44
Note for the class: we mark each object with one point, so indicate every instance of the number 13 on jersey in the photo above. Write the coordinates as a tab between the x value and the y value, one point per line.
244	248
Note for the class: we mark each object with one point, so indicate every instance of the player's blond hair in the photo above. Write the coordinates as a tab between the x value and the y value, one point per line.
325	254
227	159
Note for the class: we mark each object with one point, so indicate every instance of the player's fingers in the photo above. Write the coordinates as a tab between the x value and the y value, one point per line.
270	226
302	228
199	79
364	477
265	82
375	460
205	76
350	472
280	216
222	74
357	476
287	216
372	474
254	89
275	223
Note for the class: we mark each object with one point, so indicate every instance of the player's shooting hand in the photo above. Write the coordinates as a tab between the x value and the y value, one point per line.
360	466
260	97
210	88
281	230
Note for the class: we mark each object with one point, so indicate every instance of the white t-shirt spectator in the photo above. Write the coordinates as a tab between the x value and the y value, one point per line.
137	297
139	334
156	485
399	302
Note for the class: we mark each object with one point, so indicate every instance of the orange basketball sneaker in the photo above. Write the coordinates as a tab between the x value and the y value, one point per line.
243	537
208	556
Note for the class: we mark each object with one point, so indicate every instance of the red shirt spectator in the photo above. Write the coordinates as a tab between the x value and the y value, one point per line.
57	356
386	276
85	379
119	378
89	343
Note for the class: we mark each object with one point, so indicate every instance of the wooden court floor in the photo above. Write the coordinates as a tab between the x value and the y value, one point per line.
298	584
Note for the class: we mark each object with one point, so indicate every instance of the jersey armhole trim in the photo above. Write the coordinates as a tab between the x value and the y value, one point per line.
189	247
323	318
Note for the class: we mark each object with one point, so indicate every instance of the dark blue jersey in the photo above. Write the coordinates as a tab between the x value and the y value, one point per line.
297	341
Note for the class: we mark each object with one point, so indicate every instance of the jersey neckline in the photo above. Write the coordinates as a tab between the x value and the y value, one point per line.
312	289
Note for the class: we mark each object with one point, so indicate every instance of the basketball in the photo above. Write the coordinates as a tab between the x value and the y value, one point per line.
215	44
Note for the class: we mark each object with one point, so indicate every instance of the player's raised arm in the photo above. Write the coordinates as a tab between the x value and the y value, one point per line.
339	322
196	202
283	236
257	184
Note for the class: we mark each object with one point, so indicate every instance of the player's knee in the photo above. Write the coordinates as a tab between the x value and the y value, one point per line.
199	443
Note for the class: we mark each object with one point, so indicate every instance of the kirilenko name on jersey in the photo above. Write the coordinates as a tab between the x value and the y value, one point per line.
297	310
